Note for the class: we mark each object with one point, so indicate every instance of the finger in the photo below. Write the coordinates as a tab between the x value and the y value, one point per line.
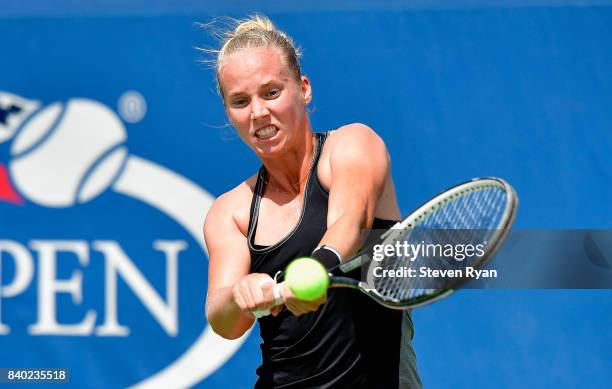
259	286
321	300
277	310
245	292
239	300
291	298
258	293
267	293
294	311
298	307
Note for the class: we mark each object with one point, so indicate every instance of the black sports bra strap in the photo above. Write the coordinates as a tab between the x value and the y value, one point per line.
256	199
321	137
259	186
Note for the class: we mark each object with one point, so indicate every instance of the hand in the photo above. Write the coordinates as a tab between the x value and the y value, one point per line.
255	292
299	307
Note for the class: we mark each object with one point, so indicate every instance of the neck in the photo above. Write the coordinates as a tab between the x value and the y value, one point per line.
290	172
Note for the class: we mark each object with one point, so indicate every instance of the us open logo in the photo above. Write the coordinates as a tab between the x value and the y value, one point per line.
63	157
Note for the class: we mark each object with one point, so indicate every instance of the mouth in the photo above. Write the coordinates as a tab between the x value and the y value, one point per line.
266	132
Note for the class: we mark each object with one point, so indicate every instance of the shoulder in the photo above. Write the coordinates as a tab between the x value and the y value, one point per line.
353	147
232	207
354	132
354	140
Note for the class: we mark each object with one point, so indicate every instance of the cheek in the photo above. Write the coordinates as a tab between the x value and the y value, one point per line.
291	109
237	117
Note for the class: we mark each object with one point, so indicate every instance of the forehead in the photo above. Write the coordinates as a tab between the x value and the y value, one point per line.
250	68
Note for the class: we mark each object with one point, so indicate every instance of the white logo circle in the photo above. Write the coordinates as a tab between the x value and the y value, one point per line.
76	150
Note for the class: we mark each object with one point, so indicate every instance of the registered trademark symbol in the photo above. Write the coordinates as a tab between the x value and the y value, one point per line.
132	106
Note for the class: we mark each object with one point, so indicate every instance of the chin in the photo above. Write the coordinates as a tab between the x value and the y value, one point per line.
269	151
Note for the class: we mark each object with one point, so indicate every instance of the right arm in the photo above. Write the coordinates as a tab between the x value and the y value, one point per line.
232	291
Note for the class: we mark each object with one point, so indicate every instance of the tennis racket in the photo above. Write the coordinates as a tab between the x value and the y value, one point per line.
478	213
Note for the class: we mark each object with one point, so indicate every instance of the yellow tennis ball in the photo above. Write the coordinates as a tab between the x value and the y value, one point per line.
307	279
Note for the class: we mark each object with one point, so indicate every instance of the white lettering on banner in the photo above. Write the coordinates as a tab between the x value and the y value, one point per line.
24	270
49	286
116	263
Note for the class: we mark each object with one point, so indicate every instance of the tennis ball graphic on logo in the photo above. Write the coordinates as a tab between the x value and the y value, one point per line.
68	153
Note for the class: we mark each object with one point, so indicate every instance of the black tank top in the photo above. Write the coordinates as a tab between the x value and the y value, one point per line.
350	341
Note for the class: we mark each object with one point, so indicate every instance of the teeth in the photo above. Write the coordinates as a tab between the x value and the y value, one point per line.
266	132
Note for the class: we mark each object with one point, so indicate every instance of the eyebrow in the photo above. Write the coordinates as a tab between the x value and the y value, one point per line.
264	85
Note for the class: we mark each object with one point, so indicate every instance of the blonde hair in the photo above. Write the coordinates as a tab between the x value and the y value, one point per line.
256	31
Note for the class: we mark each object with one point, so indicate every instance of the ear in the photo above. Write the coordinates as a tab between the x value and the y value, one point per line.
306	90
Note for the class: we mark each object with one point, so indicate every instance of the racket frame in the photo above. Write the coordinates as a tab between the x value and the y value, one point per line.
412	221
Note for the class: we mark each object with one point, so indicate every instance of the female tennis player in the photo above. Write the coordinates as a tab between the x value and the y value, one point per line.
316	194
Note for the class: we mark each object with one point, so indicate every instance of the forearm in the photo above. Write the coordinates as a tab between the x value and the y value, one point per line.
225	316
347	233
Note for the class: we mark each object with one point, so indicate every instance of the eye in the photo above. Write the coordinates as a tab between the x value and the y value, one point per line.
239	102
272	93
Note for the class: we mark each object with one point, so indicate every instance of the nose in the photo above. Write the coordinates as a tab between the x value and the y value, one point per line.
259	109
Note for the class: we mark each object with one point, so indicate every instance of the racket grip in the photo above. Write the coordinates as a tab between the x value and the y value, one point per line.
278	300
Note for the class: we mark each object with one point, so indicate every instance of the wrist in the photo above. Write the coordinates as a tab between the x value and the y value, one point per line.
328	256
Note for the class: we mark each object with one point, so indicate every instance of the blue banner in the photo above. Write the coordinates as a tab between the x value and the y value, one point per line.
114	144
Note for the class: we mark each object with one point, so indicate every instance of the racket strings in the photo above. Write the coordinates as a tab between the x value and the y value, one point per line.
470	217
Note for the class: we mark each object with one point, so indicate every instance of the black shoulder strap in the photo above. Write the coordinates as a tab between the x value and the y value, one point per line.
256	199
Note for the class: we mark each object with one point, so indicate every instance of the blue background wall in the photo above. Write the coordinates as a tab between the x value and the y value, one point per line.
520	90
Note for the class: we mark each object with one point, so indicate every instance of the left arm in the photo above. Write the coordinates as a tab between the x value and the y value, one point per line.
359	165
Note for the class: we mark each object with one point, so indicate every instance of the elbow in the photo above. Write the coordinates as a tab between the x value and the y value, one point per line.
224	330
231	336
